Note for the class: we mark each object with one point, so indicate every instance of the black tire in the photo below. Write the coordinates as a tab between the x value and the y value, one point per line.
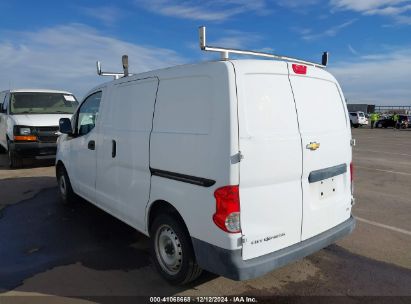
172	250
67	195
356	125
379	125
15	161
2	150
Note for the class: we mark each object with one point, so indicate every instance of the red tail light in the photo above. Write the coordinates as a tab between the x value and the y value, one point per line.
300	69
352	172
227	215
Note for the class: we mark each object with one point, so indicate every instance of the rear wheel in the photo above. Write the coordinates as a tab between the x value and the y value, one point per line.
67	194
14	160
172	250
379	125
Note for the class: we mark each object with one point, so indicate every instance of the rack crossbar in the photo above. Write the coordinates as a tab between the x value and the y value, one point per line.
116	75
226	51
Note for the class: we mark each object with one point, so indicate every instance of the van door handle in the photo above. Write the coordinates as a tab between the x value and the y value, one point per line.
113	148
91	145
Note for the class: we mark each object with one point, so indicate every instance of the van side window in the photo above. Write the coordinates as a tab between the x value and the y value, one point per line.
2	95
87	114
5	103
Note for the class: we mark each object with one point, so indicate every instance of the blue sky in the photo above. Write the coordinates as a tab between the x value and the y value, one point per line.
54	44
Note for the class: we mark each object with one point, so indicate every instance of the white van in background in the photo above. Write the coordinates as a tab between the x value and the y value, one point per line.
358	119
29	122
195	157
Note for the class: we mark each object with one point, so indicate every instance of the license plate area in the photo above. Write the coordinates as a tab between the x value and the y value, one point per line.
327	188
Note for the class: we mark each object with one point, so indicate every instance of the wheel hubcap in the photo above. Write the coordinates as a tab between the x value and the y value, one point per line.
168	250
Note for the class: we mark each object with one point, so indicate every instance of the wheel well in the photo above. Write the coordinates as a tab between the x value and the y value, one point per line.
159	207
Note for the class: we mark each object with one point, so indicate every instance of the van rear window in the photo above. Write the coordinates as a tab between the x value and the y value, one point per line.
313	95
268	104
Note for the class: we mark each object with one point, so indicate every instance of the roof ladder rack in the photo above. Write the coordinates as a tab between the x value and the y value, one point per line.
225	52
116	75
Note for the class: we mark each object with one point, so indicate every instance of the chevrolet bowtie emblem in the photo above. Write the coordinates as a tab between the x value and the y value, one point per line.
313	146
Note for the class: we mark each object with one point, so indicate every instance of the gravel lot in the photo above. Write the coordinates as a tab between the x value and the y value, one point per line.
73	254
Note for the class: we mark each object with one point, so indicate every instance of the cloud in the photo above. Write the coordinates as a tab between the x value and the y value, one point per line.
377	78
63	57
396	9
212	10
352	50
331	32
297	3
237	39
106	14
389	10
365	5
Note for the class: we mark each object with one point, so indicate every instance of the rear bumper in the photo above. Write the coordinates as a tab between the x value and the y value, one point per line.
34	149
229	263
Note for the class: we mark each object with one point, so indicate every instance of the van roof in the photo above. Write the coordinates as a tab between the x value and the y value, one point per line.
160	72
37	91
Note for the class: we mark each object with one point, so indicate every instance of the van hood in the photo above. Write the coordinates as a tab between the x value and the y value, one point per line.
39	120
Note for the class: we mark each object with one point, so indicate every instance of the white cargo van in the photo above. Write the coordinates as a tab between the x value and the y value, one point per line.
224	165
358	119
29	122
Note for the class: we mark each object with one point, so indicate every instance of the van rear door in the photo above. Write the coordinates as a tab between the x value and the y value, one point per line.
325	133
270	172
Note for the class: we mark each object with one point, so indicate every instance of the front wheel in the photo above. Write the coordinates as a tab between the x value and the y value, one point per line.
172	250
14	160
67	194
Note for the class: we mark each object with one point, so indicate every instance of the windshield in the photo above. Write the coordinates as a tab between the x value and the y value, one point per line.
42	103
361	114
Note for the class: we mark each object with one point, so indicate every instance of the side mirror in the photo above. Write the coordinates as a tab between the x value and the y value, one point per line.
65	126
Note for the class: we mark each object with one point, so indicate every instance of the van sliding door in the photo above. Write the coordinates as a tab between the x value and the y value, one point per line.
123	171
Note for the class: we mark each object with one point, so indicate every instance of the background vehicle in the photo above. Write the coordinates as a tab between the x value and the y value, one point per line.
29	122
385	122
192	157
358	119
388	122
